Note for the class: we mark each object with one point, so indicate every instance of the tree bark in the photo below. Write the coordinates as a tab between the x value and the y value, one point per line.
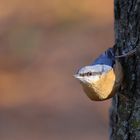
125	111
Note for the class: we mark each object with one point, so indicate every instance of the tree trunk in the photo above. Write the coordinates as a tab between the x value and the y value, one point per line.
125	111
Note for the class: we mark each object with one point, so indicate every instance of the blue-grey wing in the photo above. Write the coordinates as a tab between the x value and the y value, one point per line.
106	58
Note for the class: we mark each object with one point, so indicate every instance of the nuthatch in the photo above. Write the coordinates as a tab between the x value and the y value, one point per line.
102	78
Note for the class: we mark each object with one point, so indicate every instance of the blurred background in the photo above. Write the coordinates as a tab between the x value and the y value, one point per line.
42	44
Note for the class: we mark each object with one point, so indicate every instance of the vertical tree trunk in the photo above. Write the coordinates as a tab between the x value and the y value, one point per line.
125	111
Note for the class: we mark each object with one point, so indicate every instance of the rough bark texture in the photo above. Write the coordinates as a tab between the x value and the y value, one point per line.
125	111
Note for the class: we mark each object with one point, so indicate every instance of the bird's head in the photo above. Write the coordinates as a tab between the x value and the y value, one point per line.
90	74
97	81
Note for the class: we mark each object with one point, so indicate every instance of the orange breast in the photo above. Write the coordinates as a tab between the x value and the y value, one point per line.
106	87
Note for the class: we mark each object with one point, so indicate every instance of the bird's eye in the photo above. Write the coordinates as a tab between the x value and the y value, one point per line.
90	73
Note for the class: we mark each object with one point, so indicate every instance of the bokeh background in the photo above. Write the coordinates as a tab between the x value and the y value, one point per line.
42	44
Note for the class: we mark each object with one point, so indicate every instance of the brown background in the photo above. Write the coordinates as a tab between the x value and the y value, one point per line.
42	44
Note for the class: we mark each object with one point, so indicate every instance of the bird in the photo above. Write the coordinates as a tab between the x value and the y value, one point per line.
102	78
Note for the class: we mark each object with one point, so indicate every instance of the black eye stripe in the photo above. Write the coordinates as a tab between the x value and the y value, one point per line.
89	74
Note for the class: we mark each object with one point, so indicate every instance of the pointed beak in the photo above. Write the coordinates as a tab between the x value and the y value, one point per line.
80	78
77	76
